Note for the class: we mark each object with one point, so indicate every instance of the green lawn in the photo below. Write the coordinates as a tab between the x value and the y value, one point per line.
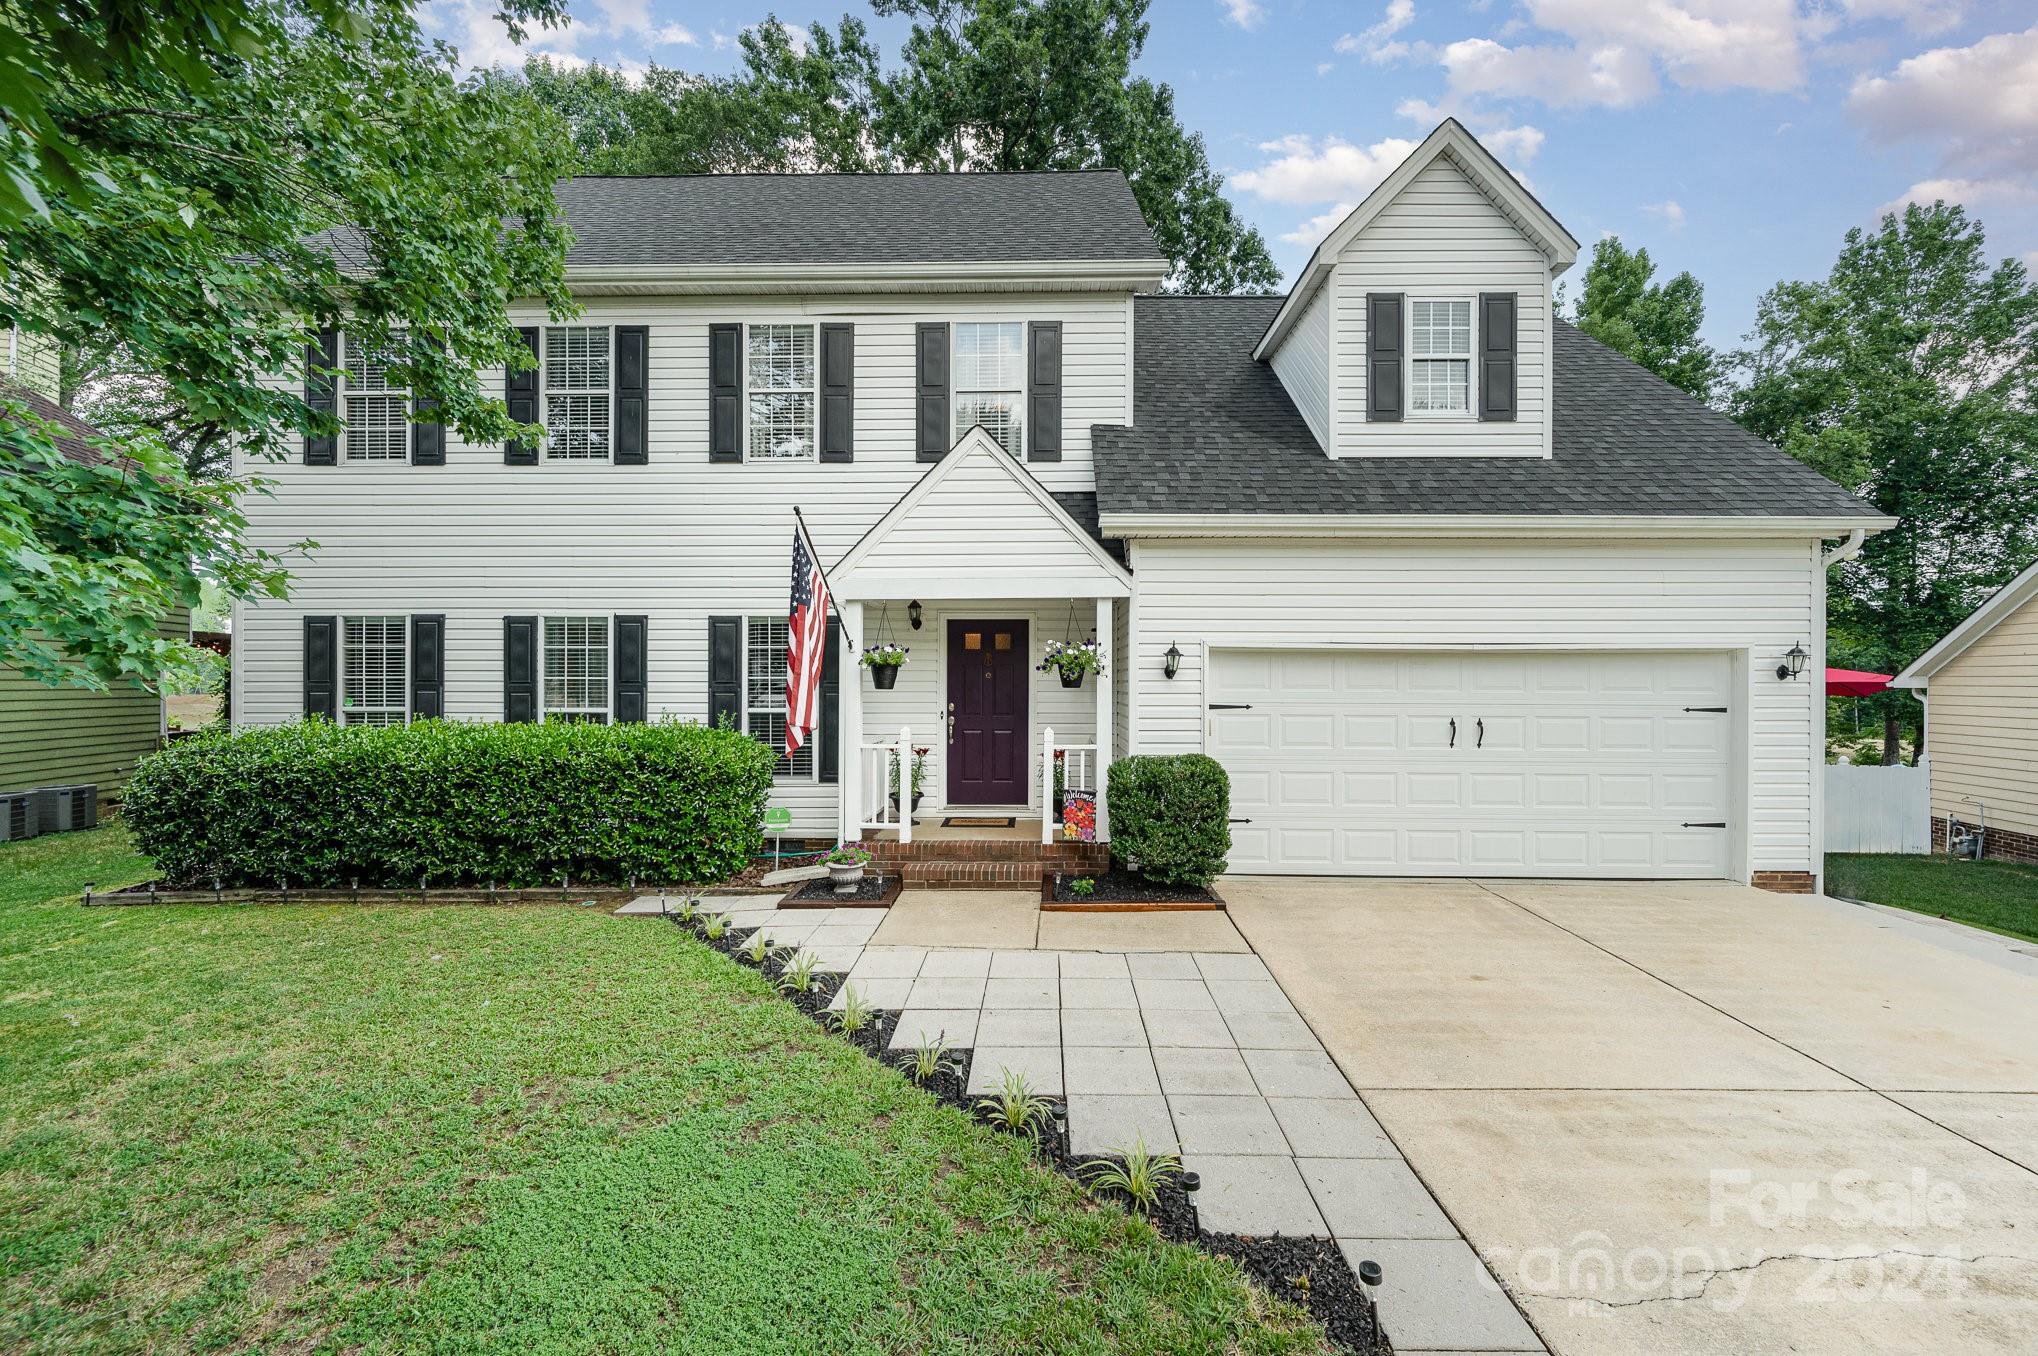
542	1129
1994	895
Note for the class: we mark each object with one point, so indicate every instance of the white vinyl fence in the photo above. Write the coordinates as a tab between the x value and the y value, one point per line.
1878	809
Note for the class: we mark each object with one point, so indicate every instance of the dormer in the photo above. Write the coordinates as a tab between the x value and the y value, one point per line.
1421	326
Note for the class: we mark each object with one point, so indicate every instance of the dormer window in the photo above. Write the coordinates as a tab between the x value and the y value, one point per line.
1440	357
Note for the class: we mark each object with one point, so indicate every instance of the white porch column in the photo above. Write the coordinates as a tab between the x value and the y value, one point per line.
849	714
1105	682
905	784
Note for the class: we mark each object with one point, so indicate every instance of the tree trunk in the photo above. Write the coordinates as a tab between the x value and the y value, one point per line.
1892	740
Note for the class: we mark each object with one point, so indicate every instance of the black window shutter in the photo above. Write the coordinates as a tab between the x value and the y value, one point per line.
1496	355
632	637
1043	391
633	395
322	667
829	754
1386	374
520	393
427	435
935	438
725	393
427	666
519	669
838	393
321	358
725	671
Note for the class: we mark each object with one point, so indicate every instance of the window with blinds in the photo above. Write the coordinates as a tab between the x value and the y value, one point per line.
989	373
374	671
1440	357
764	678
577	366
377	412
779	371
575	681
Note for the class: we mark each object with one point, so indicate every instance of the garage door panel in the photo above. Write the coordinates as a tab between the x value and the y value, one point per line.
1587	764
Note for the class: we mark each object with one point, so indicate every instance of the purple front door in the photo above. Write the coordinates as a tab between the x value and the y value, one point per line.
987	734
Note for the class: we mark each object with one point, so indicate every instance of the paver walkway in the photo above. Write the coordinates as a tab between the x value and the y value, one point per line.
1194	1052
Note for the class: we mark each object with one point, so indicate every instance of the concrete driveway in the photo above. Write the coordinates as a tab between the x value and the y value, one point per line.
1689	1117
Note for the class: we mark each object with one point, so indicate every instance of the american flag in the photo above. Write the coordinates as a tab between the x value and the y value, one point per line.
806	643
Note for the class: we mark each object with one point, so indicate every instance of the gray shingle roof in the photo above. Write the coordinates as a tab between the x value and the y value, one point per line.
855	219
1215	432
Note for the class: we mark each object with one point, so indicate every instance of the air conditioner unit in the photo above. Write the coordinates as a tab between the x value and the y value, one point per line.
19	817
64	808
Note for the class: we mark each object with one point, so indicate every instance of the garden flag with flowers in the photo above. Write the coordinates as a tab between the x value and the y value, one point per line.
806	642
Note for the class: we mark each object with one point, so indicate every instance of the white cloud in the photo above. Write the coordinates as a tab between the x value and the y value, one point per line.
1611	76
478	34
1514	145
1980	103
1245	13
1920	16
1374	42
675	35
1972	193
1303	172
1670	210
1325	67
625	16
1310	233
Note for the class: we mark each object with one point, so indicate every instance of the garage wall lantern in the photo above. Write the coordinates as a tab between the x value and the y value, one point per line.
1792	665
1171	662
913	613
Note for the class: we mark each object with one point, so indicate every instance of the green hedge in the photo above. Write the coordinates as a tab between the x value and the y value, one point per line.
1170	816
452	804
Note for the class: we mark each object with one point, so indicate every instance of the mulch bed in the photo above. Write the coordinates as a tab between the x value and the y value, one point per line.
878	891
1118	886
1313	1273
1174	1214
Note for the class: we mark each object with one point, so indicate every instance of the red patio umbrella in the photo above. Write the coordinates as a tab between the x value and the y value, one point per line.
1854	683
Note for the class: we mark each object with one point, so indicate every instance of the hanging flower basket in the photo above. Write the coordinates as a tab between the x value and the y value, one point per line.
884	660
1073	659
886	678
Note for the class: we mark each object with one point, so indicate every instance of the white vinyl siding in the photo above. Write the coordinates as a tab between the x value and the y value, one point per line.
678	539
577	359
574	669
780	370
1442	238
374	670
1302	362
764	681
1757	598
988	378
1439	357
377	412
1983	740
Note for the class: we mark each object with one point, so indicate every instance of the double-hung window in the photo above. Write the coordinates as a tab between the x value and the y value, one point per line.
577	364
575	682
377	412
764	674
374	670
1440	357
990	382
779	375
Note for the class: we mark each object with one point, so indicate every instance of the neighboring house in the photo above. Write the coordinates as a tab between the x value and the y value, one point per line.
1980	689
70	736
1449	588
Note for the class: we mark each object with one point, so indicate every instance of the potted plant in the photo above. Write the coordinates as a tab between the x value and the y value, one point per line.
1072	659
883	660
919	777
845	867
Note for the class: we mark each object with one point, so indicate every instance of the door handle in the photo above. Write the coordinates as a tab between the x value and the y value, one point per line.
1480	742
951	722
1454	734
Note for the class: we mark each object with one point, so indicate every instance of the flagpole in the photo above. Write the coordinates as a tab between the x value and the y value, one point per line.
799	519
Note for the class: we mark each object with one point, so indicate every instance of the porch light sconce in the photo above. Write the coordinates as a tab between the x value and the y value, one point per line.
1792	665
913	613
1171	662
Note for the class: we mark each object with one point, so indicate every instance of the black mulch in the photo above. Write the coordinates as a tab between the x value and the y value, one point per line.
950	1083
1174	1214
1118	886
872	889
1310	1272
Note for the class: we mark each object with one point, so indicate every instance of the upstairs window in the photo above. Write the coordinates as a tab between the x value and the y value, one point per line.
990	382
377	412
374	671
577	362
764	677
1440	357
779	374
576	657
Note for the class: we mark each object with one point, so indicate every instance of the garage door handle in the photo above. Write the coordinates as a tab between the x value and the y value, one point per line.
1454	734
1689	824
1238	821
1480	742
1231	706
1708	710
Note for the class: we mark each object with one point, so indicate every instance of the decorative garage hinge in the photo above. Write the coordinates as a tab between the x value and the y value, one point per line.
1689	824
1709	710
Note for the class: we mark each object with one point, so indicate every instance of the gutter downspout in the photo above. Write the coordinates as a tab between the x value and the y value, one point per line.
1846	550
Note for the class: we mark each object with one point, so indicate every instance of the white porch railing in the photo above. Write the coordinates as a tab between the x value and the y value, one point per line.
877	765
1079	766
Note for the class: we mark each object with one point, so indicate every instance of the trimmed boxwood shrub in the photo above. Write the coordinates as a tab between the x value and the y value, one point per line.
1170	816
452	804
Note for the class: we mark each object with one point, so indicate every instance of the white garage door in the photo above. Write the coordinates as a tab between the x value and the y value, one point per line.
1474	763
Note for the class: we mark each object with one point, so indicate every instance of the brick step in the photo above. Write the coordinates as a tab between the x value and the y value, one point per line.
973	875
1065	855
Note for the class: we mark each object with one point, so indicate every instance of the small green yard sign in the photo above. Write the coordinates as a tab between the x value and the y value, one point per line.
777	819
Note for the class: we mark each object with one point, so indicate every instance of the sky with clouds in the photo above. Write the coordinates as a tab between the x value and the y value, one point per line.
1737	138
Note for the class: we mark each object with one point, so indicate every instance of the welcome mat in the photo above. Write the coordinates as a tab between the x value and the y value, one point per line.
980	822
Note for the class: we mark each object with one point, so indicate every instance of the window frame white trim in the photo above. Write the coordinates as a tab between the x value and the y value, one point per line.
1469	414
791	774
545	393
343	391
608	708
955	389
340	709
743	433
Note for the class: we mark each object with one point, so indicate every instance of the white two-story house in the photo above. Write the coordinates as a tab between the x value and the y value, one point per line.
1448	588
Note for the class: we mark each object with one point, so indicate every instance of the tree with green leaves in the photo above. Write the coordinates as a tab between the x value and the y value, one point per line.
190	193
1909	375
981	85
1656	324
